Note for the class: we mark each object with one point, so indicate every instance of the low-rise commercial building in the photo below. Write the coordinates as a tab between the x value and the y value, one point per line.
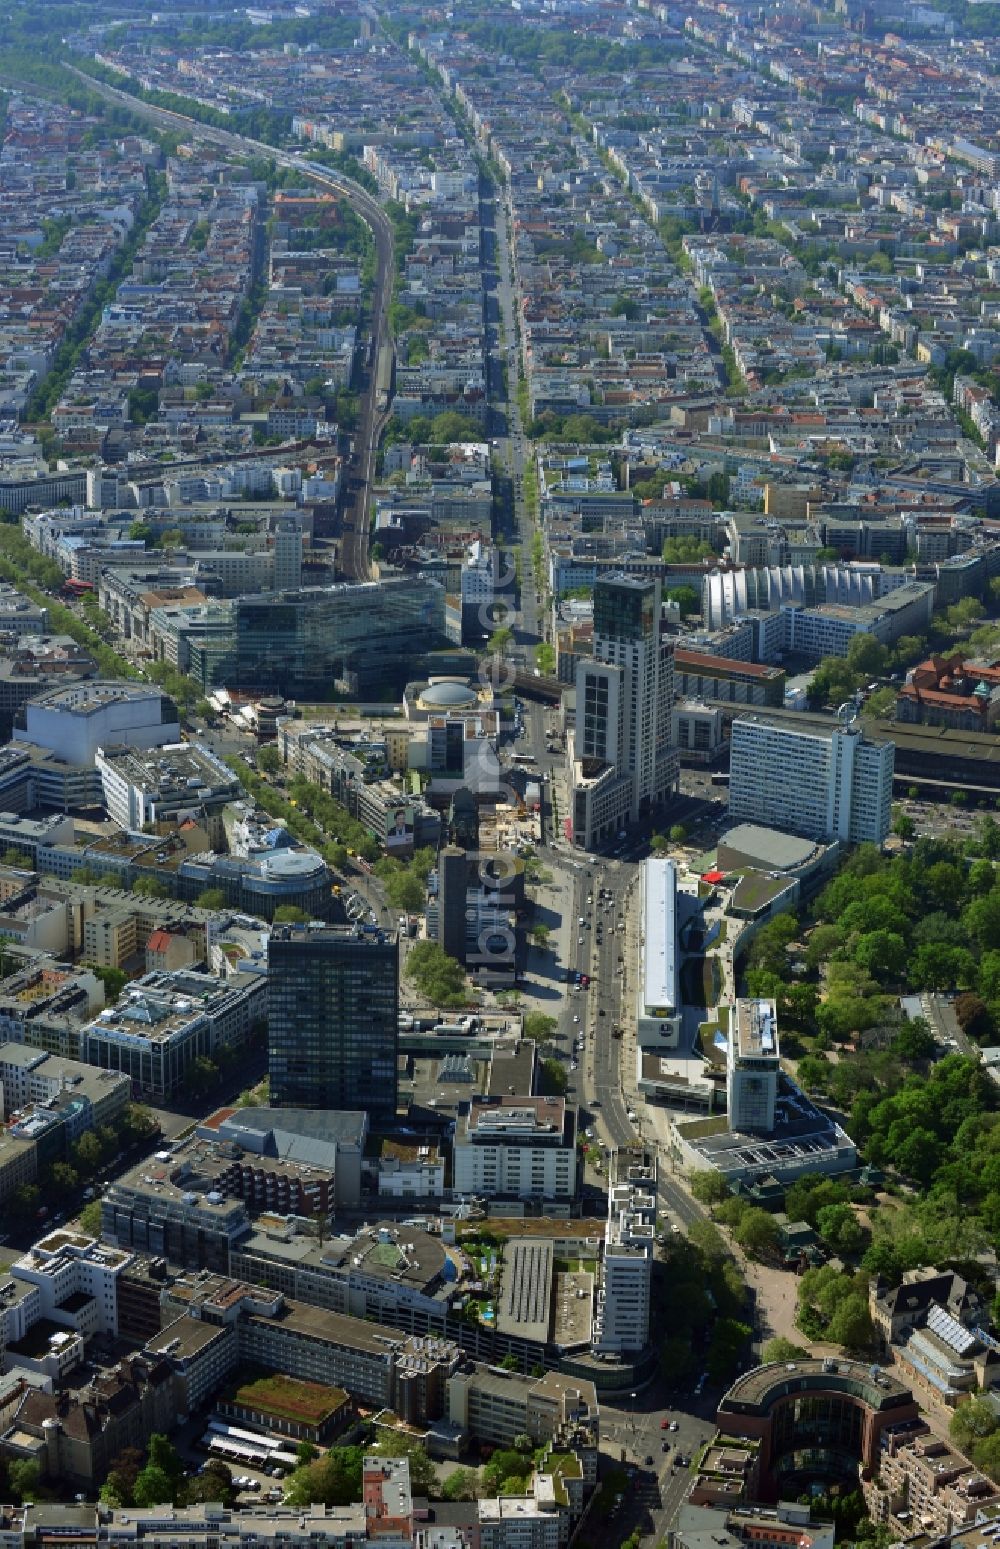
166	1021
699	675
180	779
658	1009
76	1280
497	1406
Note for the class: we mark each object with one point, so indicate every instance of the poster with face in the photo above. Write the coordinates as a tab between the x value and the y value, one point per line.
399	831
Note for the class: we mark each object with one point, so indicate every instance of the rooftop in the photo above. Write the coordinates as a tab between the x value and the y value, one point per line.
756	1030
526	1289
516	1116
179	769
758	1389
767	847
659	937
87	698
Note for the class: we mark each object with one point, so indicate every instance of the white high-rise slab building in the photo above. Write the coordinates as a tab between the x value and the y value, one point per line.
810	775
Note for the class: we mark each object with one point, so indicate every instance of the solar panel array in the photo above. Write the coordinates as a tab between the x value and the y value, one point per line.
950	1331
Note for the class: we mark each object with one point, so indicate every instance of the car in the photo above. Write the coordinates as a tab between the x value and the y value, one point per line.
576	1019
674	1227
580	942
664	1445
649	1460
672	1426
664	1423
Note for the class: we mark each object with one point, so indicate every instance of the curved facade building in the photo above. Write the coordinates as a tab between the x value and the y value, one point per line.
816	1420
263	883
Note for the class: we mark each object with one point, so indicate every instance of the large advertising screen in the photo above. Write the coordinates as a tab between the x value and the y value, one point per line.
399	831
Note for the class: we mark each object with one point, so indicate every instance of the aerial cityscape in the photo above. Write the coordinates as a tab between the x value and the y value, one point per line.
499	761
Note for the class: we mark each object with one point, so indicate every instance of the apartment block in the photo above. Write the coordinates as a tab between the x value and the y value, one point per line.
812	776
516	1148
622	1313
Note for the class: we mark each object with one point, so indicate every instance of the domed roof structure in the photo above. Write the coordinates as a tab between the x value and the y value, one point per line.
448	695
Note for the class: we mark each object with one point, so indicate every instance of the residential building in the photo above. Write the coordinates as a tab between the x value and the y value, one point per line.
74	1433
622	1310
521	1148
18	1163
89	1097
924	1479
333	1018
810	775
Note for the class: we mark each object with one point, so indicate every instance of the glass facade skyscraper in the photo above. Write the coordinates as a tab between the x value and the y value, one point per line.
333	1019
364	635
623	759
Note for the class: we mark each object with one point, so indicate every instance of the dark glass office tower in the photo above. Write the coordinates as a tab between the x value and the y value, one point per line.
333	1018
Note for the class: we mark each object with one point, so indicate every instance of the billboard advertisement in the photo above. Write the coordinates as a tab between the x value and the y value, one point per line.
399	831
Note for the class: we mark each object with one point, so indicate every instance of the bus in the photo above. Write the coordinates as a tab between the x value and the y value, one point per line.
523	761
